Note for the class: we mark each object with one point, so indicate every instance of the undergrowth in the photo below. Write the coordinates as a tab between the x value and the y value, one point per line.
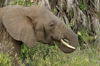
52	56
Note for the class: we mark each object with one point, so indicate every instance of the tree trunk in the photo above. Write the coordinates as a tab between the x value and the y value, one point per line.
4	3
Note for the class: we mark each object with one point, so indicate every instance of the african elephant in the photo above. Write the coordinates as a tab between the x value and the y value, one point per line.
29	25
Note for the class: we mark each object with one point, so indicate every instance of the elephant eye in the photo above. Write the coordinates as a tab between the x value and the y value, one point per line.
52	25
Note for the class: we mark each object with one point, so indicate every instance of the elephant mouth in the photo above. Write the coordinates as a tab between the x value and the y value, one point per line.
66	43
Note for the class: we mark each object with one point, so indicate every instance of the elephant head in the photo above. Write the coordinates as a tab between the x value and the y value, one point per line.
37	24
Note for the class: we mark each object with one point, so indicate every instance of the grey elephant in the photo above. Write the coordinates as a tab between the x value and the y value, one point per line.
29	25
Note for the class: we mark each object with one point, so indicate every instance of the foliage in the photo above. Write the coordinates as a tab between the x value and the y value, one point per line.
6	60
52	56
54	10
99	14
5	57
83	6
84	36
45	55
22	2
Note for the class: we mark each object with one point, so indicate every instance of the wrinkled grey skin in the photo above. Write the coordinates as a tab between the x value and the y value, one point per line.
35	24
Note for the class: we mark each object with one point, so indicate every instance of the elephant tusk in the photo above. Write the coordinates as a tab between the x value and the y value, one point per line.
67	44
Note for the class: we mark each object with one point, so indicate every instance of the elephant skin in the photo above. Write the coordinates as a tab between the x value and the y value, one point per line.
31	25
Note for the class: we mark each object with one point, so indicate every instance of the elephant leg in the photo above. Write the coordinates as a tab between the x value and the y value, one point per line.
17	49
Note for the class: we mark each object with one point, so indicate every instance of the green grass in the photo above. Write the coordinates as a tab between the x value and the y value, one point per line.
5	60
52	56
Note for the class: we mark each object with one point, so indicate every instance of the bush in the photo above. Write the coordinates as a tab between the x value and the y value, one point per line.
45	55
6	60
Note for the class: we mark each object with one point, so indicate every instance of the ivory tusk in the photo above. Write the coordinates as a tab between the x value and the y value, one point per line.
67	44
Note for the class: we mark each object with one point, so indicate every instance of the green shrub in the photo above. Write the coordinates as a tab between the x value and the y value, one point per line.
45	55
22	2
5	54
83	6
6	60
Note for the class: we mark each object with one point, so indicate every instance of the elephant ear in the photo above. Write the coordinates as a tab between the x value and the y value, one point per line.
19	27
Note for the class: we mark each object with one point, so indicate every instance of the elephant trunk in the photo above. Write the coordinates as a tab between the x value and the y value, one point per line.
72	39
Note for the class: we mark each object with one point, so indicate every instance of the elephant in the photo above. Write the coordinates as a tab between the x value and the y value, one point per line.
29	25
